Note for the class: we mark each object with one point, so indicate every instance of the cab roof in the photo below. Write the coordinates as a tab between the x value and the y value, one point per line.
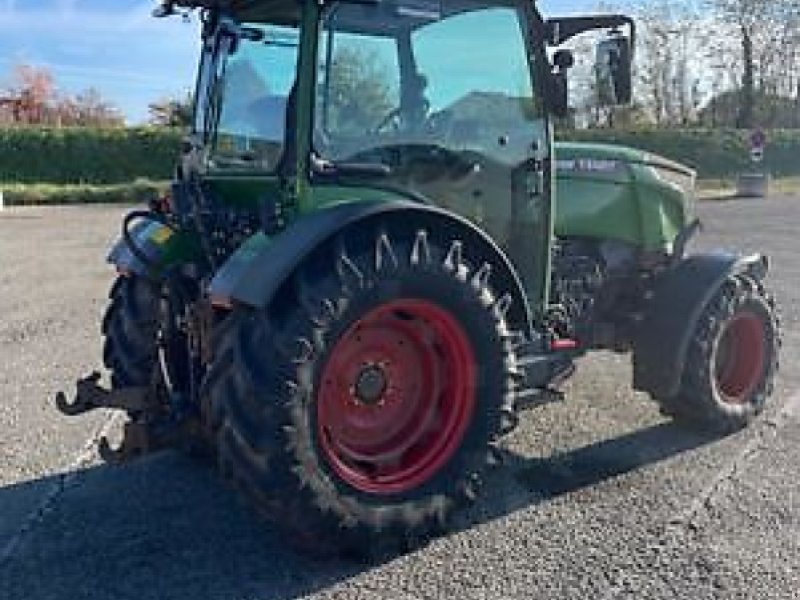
363	16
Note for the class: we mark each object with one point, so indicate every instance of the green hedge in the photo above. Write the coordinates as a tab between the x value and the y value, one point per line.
714	153
136	192
83	155
110	156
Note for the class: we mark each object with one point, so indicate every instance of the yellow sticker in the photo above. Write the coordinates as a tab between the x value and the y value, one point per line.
161	235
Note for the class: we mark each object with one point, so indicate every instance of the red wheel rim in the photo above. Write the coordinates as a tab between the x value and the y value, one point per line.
741	357
396	397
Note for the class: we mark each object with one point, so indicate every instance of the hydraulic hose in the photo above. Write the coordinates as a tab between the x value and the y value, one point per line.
197	206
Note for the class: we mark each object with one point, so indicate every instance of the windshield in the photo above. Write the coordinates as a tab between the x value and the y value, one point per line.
254	90
391	76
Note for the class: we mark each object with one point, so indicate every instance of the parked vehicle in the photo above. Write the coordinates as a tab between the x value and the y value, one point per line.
374	257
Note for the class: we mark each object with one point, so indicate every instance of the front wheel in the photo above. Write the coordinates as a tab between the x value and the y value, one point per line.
361	408
732	360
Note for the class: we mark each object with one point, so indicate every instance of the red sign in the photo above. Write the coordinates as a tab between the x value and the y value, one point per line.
758	140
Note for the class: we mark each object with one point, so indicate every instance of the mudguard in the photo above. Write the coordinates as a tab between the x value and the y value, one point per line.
155	240
681	294
255	272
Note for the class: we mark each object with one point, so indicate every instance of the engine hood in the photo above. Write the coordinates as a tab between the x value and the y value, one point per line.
570	153
622	165
614	192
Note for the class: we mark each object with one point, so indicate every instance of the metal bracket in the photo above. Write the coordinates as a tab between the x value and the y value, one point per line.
151	429
141	438
91	396
559	367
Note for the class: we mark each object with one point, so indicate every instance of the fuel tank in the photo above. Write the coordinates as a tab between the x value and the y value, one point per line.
613	192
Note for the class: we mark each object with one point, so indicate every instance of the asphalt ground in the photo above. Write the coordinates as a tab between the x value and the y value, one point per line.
600	497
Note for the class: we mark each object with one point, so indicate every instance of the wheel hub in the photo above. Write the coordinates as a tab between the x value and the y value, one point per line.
741	358
371	385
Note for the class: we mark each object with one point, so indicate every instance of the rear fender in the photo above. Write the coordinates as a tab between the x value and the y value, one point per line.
679	298
255	273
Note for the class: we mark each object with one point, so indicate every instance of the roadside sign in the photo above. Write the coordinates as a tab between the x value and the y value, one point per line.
758	143
758	139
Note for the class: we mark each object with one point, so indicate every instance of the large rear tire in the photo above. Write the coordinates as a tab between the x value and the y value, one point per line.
361	408
731	362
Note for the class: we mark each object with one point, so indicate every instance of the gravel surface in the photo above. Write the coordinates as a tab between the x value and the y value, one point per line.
600	498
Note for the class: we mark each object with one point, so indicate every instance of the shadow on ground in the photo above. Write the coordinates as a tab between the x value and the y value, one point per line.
166	527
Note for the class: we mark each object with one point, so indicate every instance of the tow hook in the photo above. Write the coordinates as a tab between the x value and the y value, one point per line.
150	428
91	396
141	438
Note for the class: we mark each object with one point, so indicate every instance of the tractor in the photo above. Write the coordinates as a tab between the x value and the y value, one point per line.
374	257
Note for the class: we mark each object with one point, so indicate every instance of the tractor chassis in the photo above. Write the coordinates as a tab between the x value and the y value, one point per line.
152	428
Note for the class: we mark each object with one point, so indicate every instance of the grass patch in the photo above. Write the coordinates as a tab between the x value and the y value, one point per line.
140	191
717	189
786	185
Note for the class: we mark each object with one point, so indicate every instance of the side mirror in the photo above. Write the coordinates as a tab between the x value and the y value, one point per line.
613	70
563	61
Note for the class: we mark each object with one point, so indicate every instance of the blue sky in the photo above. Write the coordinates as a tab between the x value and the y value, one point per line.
116	47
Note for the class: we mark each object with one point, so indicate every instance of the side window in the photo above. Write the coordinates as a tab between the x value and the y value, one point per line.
255	89
358	83
476	65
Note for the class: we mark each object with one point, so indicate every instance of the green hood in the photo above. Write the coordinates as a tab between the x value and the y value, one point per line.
612	192
569	151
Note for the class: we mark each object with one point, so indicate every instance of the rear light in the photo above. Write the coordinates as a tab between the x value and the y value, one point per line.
564	345
162	205
222	302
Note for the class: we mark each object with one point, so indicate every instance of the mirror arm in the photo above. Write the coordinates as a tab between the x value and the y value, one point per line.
564	29
557	94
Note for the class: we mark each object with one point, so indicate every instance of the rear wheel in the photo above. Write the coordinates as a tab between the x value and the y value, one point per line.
130	328
732	360
361	408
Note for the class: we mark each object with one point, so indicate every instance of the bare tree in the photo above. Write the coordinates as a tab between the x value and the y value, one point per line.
765	29
172	112
672	56
91	109
32	95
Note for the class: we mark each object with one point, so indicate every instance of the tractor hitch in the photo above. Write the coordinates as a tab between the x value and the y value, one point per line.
150	429
91	396
141	438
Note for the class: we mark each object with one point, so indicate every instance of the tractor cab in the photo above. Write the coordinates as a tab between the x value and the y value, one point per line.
442	102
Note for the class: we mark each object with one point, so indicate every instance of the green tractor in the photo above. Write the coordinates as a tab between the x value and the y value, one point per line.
374	257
